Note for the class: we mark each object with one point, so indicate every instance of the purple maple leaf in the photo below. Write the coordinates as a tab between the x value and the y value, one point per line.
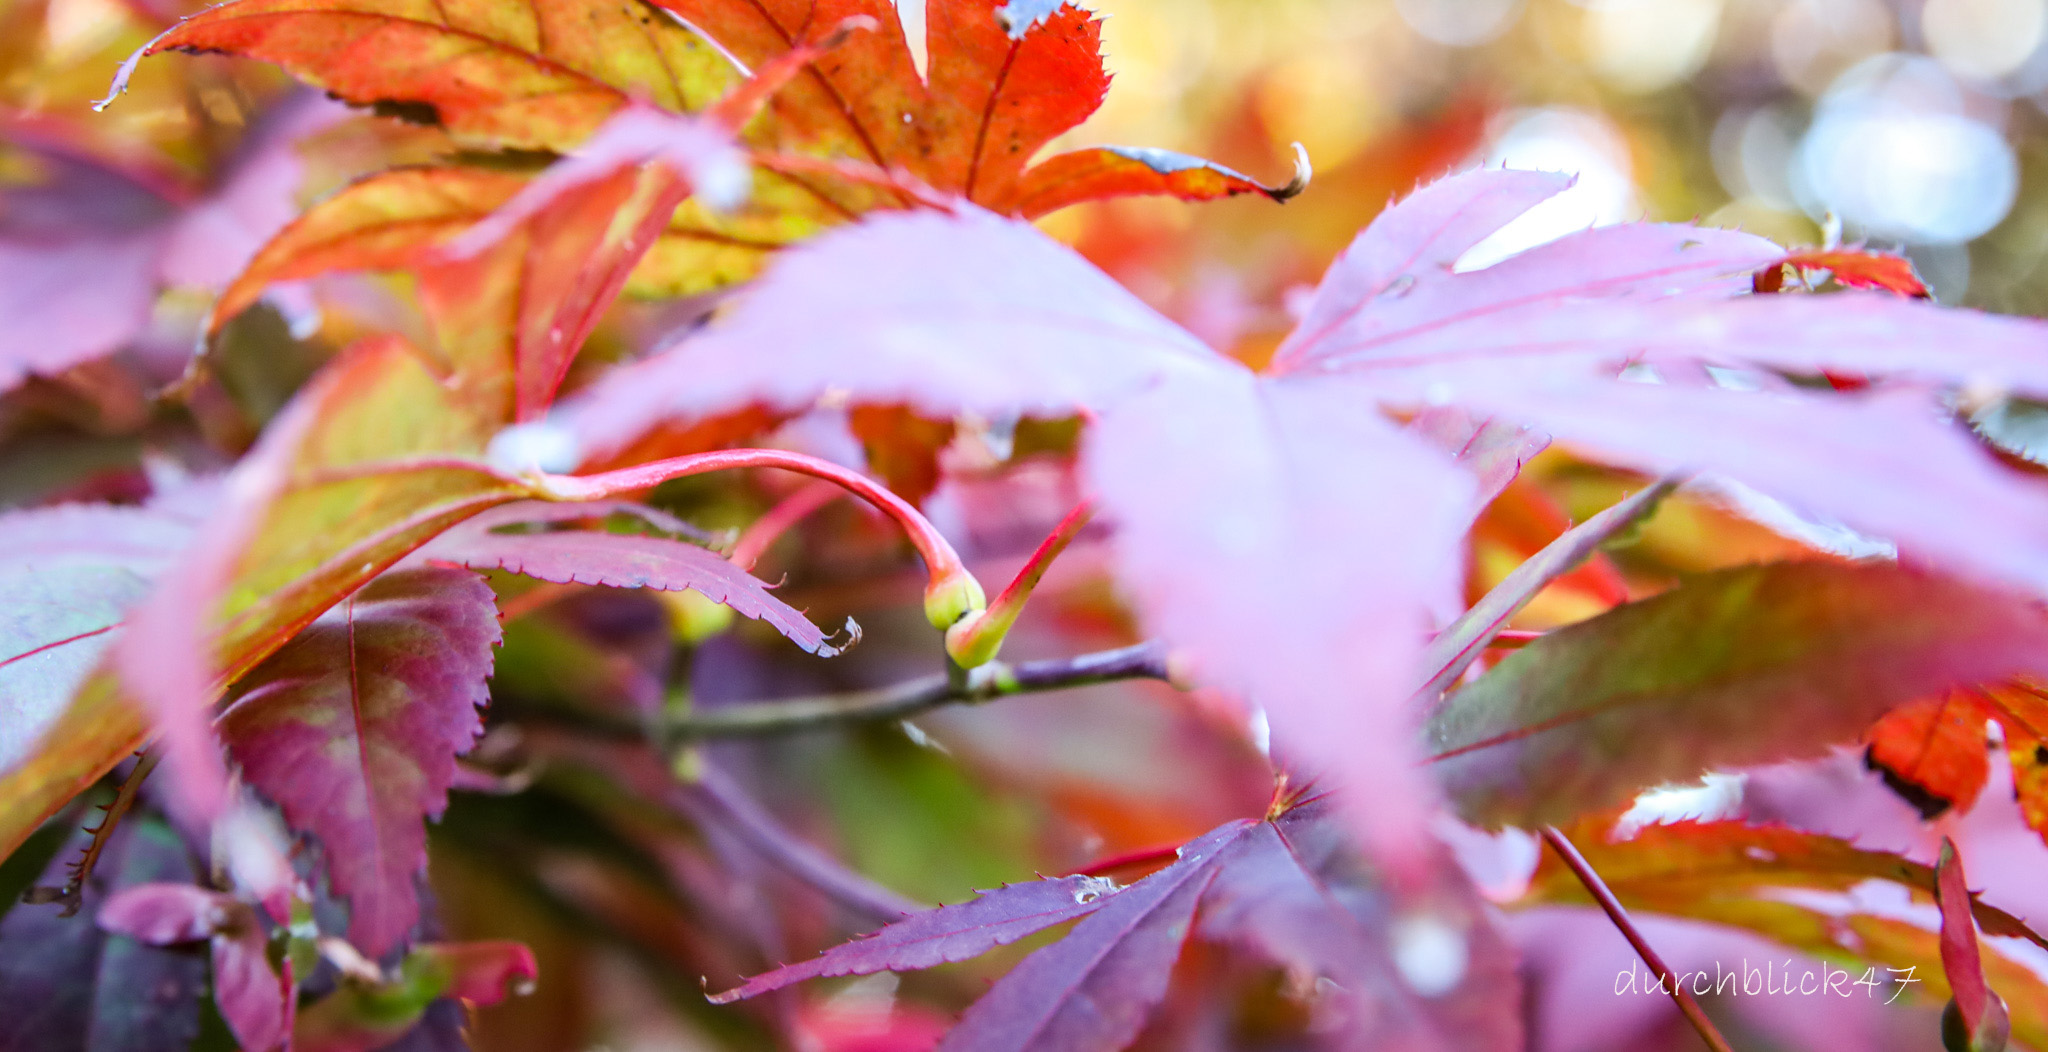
1291	889
987	315
1091	991
1417	972
353	728
949	933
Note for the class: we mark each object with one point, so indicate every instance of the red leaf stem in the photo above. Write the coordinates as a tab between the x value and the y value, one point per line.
780	519
951	592
1598	889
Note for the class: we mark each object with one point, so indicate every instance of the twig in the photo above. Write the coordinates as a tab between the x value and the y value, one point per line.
710	799
72	894
1602	895
994	680
715	797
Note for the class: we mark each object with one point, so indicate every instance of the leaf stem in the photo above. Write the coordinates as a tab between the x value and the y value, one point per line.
1457	646
72	894
719	799
975	639
1150	856
778	520
951	592
1597	888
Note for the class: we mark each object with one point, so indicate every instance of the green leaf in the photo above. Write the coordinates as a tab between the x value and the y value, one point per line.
1746	666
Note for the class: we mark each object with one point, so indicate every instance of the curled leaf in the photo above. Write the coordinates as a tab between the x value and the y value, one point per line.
1126	171
619	560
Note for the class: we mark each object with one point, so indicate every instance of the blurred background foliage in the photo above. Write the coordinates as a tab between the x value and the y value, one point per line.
1907	124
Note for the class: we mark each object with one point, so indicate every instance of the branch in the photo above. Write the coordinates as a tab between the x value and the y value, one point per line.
72	894
1599	890
710	798
717	798
994	680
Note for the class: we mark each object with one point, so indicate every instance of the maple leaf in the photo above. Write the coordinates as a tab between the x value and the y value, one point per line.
1093	989
1454	649
902	447
1933	752
1852	268
374	458
514	275
399	217
1734	668
1416	970
880	314
1494	451
541	74
944	935
55	964
619	560
998	89
73	573
1289	889
353	727
1334	646
900	294
1666	865
382	221
556	254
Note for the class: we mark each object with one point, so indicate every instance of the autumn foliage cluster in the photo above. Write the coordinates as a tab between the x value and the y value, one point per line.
549	543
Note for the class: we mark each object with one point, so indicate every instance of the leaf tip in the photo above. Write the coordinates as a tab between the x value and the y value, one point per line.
1304	172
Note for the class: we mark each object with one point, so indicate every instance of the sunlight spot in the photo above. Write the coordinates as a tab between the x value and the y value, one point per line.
1459	23
1559	140
911	12
1430	954
537	446
1641	46
1896	153
1712	797
1983	39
